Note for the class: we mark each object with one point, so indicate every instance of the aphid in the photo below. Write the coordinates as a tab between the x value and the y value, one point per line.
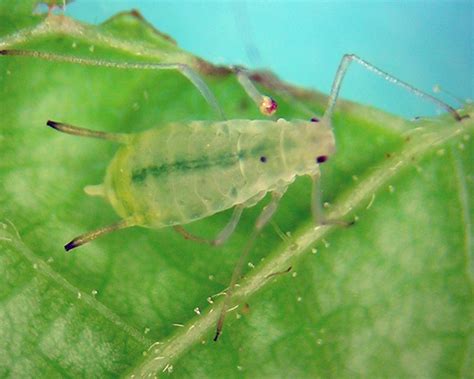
182	172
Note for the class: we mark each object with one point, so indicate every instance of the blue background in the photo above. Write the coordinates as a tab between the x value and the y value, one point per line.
422	42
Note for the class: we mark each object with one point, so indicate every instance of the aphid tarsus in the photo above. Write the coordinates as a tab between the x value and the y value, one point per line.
182	172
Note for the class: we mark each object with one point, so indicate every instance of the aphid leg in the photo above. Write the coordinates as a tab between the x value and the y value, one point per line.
341	71
279	273
264	217
187	71
90	236
316	201
317	209
189	236
265	104
437	89
224	234
230	227
83	132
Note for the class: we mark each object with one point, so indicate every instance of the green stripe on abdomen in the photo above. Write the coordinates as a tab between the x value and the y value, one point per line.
223	161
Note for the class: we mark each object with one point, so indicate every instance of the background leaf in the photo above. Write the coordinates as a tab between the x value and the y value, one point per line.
391	296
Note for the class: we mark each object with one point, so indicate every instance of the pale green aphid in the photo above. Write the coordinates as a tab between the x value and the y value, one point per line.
179	173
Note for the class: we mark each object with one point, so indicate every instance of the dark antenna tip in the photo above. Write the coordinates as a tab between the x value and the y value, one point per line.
71	245
3	52
216	336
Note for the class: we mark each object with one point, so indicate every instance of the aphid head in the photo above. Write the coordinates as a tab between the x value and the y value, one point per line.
320	158
304	145
318	143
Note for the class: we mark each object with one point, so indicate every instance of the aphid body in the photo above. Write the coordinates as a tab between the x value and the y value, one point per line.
180	173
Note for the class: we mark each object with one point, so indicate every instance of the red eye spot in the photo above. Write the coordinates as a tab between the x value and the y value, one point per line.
314	119
321	159
263	159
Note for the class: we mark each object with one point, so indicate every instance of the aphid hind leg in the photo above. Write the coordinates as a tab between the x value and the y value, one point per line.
83	132
184	69
262	220
92	235
223	235
342	69
265	104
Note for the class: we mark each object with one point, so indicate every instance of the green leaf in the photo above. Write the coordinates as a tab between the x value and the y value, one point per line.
389	297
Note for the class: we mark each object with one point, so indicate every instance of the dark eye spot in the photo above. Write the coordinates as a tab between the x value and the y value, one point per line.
314	119
321	159
263	159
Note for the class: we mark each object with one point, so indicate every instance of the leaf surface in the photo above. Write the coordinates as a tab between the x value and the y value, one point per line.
390	296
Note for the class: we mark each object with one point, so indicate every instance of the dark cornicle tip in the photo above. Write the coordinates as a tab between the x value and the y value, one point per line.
3	52
71	245
53	124
314	119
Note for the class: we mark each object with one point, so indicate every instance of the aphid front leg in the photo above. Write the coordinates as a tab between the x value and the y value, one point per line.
224	234
262	220
344	65
265	104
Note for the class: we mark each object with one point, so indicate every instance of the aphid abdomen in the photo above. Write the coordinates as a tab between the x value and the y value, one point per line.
178	173
168	175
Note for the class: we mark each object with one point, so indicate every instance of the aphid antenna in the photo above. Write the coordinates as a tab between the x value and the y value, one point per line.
438	89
